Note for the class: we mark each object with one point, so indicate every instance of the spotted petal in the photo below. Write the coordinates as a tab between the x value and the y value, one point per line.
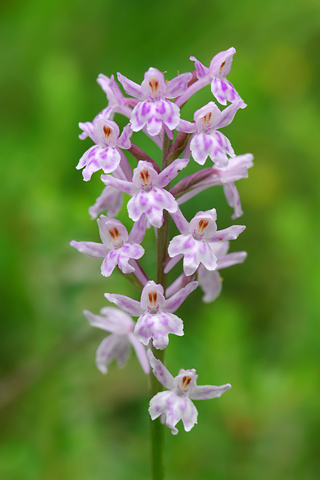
127	304
173	408
157	327
113	347
160	371
152	204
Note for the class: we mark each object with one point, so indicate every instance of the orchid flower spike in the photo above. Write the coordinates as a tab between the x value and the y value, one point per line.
117	345
156	319
175	404
153	109
117	247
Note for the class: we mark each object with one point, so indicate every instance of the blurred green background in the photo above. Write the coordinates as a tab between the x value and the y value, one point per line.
60	417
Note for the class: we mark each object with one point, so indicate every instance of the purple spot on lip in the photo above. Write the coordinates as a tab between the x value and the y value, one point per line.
161	108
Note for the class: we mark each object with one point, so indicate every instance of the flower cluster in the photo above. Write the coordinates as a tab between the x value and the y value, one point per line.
155	108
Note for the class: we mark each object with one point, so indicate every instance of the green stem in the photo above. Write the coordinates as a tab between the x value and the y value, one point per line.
157	430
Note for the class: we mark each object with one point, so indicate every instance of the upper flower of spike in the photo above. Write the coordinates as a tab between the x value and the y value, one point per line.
117	247
106	153
148	195
207	141
156	319
175	404
153	109
117	345
218	69
195	243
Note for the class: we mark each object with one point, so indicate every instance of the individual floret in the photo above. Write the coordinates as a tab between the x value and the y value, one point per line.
117	345
156	319
175	404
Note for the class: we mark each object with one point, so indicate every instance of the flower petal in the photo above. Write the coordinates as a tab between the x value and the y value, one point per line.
231	259
201	70
130	87
157	326
127	304
140	352
173	303
178	85
230	233
92	249
110	201
160	371
170	172
204	392
113	347
111	320
210	282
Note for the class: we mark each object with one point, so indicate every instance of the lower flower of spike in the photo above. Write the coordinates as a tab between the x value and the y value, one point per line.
176	403
156	319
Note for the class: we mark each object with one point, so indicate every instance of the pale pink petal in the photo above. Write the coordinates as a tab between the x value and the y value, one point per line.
130	87
233	199
140	352
109	263
87	128
230	233
138	230
172	304
127	304
110	201
170	172
221	63
224	91
204	392
113	347
231	259
151	204
160	371
172	262
227	115
202	145
180	221
210	282
177	85
139	116
111	320
157	327
121	185
124	141
201	70
187	127
91	249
